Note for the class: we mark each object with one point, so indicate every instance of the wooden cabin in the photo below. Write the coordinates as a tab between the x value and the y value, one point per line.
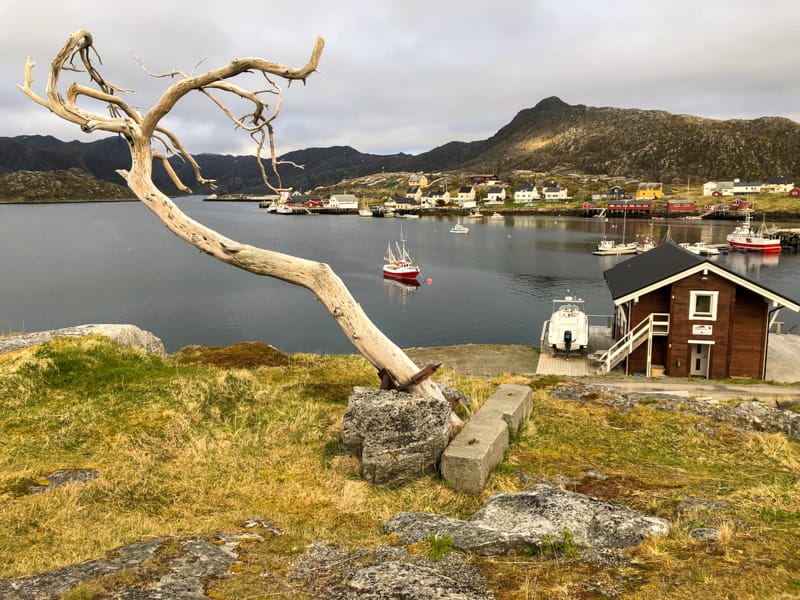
683	315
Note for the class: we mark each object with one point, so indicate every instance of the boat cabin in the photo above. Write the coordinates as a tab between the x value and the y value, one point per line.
682	315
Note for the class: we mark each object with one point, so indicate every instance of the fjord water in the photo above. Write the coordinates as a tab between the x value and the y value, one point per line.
69	264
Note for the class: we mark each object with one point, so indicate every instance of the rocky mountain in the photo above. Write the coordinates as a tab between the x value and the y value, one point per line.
552	137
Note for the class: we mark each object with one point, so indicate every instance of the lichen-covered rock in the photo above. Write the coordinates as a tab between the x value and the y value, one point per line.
508	522
126	335
396	436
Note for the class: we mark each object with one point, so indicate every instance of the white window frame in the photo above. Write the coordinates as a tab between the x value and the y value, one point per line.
712	314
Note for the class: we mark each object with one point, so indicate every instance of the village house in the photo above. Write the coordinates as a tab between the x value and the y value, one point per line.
484	179
746	187
496	194
680	206
435	197
649	191
778	185
466	193
718	188
343	202
553	192
682	315
414	193
615	192
525	192
403	205
639	207
417	180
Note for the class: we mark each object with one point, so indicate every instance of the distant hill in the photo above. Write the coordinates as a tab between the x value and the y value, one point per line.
552	137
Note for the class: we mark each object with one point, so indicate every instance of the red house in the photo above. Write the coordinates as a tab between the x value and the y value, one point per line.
680	206
794	193
682	315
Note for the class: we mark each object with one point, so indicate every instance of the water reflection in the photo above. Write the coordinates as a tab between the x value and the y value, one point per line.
748	262
400	292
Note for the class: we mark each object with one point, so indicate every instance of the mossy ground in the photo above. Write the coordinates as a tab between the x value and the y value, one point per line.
187	448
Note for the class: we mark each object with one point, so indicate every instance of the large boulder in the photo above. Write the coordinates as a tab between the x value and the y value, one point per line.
396	436
531	518
126	335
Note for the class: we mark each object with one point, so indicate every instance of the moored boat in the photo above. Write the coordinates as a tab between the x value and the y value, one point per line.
497	216
700	248
459	228
568	328
399	264
606	247
744	238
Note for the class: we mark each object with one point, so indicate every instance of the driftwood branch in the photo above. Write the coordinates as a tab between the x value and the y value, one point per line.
141	130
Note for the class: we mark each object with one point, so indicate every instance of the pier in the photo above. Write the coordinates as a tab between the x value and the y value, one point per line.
790	238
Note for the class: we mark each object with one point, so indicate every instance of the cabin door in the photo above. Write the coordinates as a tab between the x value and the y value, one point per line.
698	360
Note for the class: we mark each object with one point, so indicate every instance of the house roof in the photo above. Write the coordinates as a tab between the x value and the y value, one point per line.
667	263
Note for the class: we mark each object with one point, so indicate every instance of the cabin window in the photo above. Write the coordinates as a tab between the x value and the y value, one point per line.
703	305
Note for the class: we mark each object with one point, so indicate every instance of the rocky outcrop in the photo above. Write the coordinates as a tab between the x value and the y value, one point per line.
396	436
126	335
386	573
746	416
185	565
531	519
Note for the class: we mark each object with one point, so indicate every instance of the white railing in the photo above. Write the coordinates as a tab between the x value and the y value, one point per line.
654	324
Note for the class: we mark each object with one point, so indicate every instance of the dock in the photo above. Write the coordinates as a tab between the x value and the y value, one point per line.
600	340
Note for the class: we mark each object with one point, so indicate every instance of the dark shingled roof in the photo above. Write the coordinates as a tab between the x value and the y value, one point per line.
642	270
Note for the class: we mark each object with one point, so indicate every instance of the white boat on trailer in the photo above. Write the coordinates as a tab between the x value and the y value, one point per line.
568	329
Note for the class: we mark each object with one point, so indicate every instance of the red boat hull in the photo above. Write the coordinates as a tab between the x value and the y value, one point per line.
764	248
402	275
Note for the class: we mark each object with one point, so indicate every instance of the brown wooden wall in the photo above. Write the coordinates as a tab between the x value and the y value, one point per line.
748	335
739	331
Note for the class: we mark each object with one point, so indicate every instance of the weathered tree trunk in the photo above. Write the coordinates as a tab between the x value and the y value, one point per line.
141	131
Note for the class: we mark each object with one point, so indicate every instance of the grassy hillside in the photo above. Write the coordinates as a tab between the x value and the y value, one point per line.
71	185
201	441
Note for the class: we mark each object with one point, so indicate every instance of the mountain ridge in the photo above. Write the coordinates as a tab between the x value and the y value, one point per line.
551	137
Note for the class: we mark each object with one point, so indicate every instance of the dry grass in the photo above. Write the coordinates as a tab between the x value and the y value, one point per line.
195	449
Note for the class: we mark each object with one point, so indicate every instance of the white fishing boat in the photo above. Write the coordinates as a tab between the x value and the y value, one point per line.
744	238
497	216
700	248
459	228
398	262
568	328
607	247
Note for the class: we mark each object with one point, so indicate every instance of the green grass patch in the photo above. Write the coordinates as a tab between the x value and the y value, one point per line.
192	445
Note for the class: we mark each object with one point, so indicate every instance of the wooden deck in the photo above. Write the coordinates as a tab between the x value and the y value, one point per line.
577	364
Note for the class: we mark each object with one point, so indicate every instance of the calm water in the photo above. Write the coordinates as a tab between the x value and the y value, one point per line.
65	265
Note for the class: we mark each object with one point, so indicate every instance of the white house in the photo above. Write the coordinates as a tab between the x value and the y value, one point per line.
466	194
554	192
746	187
414	193
436	197
525	192
718	188
496	194
778	185
343	202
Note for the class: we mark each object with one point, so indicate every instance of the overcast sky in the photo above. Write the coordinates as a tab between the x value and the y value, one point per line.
410	75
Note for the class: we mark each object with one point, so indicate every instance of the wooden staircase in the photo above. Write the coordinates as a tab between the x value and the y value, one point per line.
654	324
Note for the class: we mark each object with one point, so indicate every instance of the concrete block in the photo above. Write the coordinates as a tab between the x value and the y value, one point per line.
471	455
513	402
481	445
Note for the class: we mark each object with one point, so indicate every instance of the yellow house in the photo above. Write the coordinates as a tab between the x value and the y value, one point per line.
418	180
649	191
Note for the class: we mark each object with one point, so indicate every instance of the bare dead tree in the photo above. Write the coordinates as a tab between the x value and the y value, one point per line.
142	131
